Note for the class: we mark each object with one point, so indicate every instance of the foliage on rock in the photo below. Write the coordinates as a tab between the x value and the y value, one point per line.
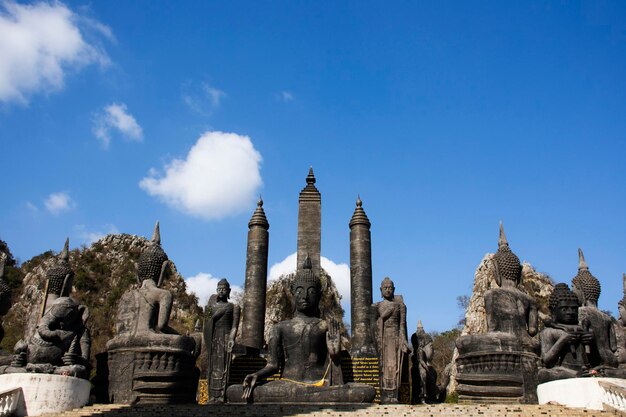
12	274
103	272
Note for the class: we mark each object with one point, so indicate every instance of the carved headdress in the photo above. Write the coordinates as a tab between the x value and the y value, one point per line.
60	275
561	293
152	260
584	281
506	262
306	277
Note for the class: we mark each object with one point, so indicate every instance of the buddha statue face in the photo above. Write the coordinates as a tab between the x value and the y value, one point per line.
307	298
387	289
223	290
566	312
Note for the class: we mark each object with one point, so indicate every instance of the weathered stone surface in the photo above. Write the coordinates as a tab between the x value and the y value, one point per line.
423	375
310	224
535	284
5	298
148	362
391	341
361	283
306	348
256	280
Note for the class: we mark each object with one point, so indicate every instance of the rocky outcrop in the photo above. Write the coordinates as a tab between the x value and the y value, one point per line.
103	272
537	285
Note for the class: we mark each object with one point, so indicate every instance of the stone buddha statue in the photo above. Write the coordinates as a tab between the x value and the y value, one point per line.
391	339
587	288
220	329
61	342
563	341
486	360
306	348
424	376
148	361
621	328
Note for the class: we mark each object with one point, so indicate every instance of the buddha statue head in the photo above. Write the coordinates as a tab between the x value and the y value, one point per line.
307	290
564	305
153	261
508	269
387	289
585	285
223	290
5	290
60	275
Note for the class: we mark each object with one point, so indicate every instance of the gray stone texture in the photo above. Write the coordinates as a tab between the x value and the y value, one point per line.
256	280
309	224
361	282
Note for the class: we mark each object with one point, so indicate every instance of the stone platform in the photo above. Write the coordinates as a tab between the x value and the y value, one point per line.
352	410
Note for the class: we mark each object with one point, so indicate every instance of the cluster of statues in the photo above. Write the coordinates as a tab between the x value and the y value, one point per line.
150	362
512	357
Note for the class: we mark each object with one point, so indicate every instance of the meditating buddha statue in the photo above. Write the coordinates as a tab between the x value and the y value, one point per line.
307	349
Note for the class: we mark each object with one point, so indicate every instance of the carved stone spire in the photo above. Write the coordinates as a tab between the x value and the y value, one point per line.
64	256
156	235
582	264
359	216
502	238
258	217
310	224
256	281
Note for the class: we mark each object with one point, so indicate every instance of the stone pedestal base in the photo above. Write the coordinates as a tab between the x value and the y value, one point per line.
147	373
47	393
589	393
497	377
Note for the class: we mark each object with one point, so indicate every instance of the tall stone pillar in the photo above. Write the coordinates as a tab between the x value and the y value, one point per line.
309	224
256	280
361	282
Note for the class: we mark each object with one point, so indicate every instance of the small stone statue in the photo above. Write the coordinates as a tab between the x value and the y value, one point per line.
62	342
425	390
149	362
563	340
601	356
220	329
306	348
5	294
391	339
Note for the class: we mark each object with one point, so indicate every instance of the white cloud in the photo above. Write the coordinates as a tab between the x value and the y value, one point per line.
220	176
203	98
91	236
39	43
205	284
286	96
116	116
340	273
59	202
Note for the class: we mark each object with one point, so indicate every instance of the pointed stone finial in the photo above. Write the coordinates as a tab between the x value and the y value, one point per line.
156	235
623	282
419	325
502	239
258	217
65	253
359	216
307	263
582	265
310	179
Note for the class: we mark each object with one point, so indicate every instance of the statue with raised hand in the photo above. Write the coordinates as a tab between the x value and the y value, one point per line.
306	348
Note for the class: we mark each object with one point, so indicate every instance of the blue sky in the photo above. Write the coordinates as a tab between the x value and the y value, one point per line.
446	117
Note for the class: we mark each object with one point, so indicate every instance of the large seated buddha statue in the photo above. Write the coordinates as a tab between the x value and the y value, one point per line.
306	348
149	362
501	363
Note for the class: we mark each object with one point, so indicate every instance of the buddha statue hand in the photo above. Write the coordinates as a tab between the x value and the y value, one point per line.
333	338
248	386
